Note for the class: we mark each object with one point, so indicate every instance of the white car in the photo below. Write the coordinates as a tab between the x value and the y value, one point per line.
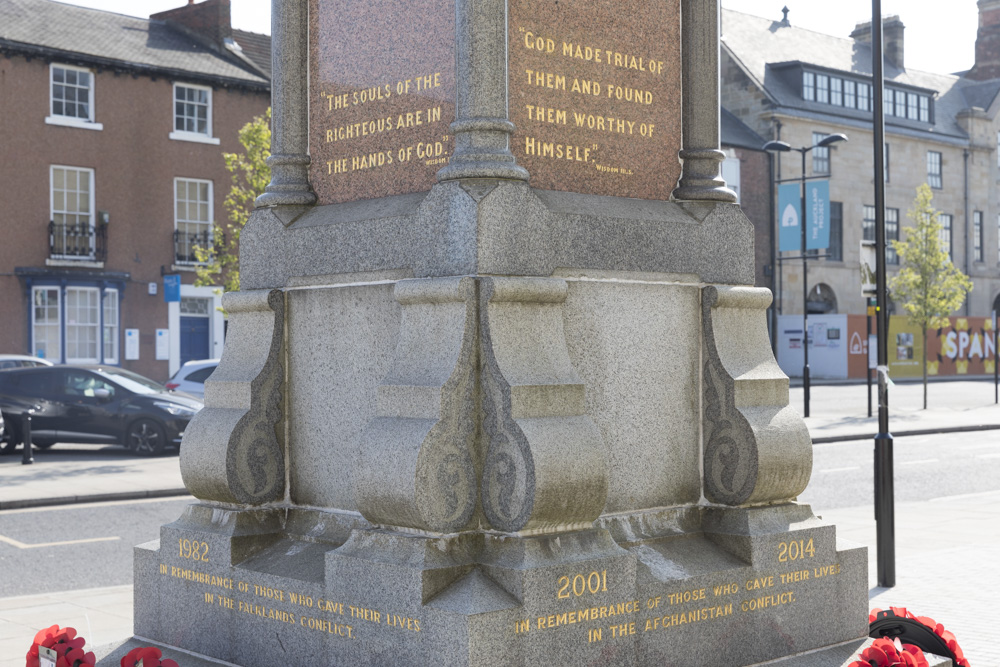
21	361
190	378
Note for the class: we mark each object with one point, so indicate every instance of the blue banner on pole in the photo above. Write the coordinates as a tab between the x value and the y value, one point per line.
818	218
171	288
789	218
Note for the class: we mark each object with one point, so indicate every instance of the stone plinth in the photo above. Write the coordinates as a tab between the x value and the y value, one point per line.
485	405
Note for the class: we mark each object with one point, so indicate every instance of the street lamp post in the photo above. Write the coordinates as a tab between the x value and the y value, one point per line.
783	147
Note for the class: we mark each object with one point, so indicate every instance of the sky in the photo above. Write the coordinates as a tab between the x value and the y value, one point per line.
940	37
252	15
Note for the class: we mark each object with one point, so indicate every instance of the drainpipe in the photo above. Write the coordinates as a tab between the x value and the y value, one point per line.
968	236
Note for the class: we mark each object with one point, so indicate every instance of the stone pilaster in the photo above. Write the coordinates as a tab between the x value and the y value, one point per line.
701	177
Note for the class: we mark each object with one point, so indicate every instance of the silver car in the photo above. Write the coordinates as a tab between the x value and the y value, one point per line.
190	378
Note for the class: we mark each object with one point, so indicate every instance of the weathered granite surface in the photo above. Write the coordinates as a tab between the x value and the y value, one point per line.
476	419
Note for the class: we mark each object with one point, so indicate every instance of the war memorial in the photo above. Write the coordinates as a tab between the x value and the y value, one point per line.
497	389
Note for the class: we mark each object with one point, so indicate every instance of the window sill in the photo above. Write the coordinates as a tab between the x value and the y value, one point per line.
194	137
187	266
85	263
64	121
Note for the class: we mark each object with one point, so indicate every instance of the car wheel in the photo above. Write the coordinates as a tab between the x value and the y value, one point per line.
146	438
9	445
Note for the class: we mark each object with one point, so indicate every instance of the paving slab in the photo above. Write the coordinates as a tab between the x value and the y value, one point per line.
66	474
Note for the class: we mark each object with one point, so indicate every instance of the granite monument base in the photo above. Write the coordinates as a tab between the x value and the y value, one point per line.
700	586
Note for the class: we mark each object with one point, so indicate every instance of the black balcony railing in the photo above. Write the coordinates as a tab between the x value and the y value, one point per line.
80	241
186	242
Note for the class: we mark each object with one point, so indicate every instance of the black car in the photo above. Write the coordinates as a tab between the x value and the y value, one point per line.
92	404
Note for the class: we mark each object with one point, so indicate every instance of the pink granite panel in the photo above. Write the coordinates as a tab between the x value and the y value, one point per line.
595	93
382	95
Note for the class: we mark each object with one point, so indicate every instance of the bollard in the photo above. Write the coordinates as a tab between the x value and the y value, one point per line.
26	458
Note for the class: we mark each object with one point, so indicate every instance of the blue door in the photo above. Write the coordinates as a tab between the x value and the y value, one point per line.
194	338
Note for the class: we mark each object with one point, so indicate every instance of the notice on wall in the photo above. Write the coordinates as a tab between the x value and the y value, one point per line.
381	98
595	94
162	344
132	344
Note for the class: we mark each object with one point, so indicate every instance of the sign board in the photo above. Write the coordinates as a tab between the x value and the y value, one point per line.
162	344
789	232
47	657
172	288
131	344
872	351
868	264
818	215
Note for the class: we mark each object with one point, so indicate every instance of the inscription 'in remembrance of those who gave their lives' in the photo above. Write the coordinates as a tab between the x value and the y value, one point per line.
596	112
580	598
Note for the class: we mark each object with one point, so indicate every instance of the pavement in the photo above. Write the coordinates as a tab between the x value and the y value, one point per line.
947	549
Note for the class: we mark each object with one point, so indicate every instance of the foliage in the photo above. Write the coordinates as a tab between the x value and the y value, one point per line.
928	285
220	265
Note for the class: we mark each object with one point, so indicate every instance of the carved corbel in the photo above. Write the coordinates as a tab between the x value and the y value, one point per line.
233	450
545	468
757	448
416	466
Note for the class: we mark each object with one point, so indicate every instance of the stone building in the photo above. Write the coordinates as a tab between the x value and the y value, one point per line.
798	86
112	131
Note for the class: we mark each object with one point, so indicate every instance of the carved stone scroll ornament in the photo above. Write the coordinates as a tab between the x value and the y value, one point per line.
416	467
545	468
233	449
757	448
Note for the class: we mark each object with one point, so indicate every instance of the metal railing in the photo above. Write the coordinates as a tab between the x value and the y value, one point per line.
81	241
186	242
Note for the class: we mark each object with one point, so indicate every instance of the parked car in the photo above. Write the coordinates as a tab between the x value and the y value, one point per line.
21	361
190	378
95	405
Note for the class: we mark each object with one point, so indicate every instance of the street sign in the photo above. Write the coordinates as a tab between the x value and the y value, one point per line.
869	286
818	218
172	287
789	233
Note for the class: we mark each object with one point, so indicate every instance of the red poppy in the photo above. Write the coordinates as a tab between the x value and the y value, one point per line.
947	636
150	657
68	647
889	653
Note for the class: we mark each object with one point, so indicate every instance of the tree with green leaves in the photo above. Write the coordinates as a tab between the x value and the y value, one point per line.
220	264
928	285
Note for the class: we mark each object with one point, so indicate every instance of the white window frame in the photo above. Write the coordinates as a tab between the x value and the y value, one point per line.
93	213
96	326
731	175
110	330
211	212
183	135
935	169
945	235
58	323
72	121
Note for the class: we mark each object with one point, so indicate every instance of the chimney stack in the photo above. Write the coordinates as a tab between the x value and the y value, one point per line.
210	20
892	38
987	64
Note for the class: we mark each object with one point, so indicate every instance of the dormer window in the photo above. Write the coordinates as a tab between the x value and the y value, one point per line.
849	93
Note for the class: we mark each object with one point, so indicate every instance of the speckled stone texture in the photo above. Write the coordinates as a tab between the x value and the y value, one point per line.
381	96
594	94
497	421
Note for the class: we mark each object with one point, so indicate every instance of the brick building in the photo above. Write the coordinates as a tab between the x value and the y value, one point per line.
112	130
798	86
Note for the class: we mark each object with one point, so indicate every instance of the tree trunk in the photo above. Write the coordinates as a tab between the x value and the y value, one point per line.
925	366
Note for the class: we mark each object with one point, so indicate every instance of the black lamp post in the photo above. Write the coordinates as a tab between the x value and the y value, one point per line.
783	147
